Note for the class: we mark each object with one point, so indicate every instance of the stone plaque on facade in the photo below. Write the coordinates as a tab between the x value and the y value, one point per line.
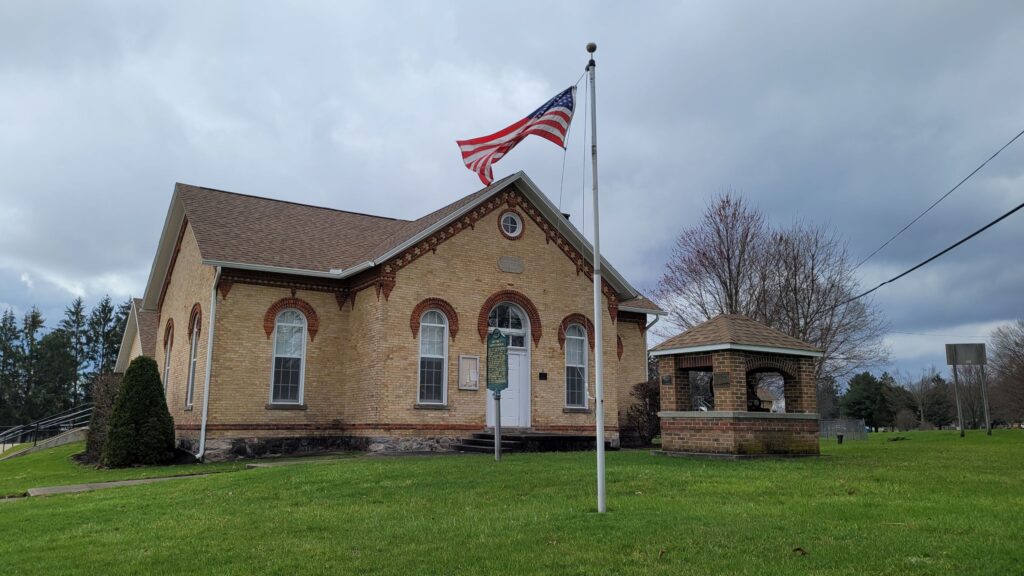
511	264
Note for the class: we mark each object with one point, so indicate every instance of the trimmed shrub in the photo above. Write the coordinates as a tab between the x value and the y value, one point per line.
104	392
141	428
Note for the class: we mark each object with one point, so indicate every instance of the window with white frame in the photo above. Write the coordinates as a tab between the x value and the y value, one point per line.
433	358
168	340
289	358
511	224
193	353
510	320
575	366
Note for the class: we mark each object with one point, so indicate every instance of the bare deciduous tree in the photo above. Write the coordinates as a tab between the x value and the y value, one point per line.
798	280
1007	361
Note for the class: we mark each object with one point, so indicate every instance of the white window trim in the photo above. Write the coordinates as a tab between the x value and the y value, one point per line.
167	364
192	362
519	224
586	369
444	361
302	361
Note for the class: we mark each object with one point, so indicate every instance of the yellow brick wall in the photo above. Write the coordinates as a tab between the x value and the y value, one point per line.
342	361
190	282
464	272
136	349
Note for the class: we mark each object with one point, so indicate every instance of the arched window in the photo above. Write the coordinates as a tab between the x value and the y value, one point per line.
168	343
289	358
575	366
433	386
193	353
510	320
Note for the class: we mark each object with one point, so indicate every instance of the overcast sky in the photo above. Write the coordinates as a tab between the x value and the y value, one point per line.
853	115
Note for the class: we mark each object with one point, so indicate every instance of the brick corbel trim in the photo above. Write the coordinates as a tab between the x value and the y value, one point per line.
619	348
194	317
270	317
434	303
575	318
516	298
168	331
783	365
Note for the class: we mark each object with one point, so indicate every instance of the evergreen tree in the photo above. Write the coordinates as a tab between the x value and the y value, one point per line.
31	327
866	398
141	429
76	325
56	374
105	332
10	364
939	408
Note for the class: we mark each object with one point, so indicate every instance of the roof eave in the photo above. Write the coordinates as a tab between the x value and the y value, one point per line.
127	340
655	312
733	346
164	251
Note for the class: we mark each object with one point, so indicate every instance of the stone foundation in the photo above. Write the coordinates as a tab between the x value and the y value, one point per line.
739	433
220	449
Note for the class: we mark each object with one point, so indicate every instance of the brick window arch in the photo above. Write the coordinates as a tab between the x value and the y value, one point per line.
195	320
576	318
168	331
426	304
782	365
270	317
517	298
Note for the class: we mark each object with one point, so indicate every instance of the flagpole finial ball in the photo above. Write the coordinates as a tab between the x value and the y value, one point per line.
591	47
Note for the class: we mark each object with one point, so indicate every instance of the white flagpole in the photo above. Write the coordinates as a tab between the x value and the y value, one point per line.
598	316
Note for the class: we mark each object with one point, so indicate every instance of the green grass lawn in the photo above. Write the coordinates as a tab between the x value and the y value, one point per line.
932	504
55	467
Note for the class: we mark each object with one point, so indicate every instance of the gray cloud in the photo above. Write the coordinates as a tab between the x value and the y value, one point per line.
854	115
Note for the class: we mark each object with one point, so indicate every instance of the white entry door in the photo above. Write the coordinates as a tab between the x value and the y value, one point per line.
515	400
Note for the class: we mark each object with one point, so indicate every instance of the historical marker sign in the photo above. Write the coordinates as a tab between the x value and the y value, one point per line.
497	361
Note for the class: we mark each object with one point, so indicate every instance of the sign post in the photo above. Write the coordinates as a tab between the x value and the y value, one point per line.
497	380
969	355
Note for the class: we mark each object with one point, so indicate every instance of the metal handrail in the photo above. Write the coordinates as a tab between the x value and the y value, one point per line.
54	424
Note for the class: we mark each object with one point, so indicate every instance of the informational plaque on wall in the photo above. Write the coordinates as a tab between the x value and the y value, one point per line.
469	372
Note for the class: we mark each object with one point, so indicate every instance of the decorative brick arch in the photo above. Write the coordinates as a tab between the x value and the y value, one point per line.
619	348
195	318
434	303
270	318
168	331
785	366
576	318
516	298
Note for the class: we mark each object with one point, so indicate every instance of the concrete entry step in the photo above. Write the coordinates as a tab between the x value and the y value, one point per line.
525	441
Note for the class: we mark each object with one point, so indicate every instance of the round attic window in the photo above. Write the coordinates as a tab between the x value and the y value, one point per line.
511	224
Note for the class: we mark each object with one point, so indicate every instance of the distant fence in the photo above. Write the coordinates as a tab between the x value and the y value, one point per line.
850	429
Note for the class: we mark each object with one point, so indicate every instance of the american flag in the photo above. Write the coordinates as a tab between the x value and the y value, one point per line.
550	121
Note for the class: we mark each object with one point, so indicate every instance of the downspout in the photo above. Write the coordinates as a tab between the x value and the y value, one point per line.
653	322
209	364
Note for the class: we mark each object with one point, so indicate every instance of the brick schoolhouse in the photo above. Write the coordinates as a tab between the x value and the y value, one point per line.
283	327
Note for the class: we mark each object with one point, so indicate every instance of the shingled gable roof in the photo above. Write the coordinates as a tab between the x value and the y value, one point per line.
734	331
249	232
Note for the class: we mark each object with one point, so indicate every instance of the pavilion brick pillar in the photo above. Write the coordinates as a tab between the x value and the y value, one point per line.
801	390
684	399
730	396
667	379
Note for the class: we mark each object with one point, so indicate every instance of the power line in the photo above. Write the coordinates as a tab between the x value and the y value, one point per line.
965	239
936	203
938	335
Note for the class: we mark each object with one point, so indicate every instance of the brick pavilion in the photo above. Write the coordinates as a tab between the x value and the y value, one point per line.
731	421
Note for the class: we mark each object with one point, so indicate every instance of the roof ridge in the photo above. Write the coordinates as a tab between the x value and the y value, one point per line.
290	202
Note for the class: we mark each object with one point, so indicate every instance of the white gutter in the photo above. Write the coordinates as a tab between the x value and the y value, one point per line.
642	310
653	322
209	364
